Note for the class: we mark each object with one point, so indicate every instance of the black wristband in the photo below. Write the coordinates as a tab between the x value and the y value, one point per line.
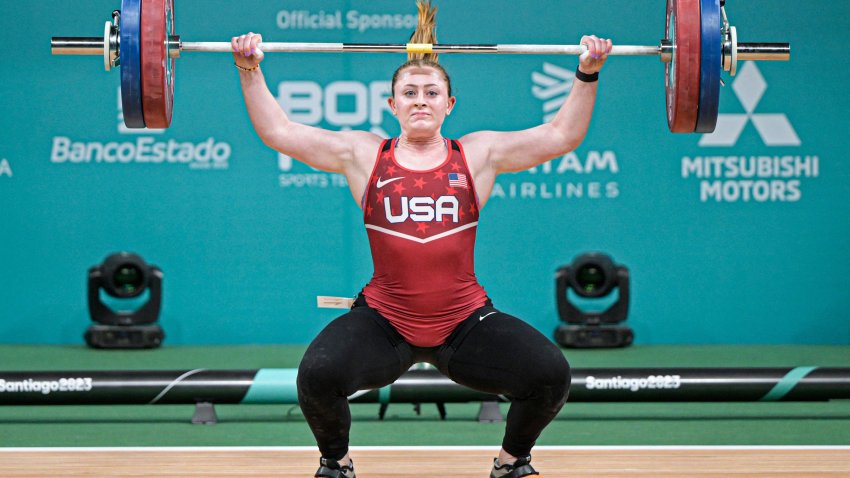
585	77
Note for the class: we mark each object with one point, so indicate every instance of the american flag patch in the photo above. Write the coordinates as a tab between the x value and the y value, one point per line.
457	180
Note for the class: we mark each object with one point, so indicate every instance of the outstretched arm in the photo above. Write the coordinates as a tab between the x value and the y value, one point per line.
498	152
346	152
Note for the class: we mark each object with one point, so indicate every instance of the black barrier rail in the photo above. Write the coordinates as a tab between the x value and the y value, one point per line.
277	386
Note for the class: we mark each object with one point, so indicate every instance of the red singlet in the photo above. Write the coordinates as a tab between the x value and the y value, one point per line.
421	227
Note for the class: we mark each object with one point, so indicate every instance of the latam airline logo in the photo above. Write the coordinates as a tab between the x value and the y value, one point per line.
578	175
552	87
774	128
5	168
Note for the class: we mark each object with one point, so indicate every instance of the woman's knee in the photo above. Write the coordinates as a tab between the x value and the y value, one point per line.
320	375
551	379
560	379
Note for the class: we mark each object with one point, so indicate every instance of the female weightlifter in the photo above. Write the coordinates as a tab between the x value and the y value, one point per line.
421	195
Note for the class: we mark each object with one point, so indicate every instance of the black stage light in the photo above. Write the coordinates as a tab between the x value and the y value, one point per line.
127	278
594	277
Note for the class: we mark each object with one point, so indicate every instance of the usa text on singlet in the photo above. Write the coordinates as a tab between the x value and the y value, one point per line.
421	227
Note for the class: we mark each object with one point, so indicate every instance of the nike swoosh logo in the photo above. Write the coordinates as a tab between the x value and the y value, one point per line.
381	184
480	318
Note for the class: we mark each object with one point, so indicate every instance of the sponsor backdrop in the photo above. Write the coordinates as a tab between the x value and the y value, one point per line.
740	236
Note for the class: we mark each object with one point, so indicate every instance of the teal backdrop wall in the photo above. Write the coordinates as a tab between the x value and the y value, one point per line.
736	237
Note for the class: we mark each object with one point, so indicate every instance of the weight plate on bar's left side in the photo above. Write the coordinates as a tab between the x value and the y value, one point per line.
682	74
157	26
710	65
131	70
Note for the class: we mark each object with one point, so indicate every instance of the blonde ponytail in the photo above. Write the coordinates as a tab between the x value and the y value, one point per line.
426	30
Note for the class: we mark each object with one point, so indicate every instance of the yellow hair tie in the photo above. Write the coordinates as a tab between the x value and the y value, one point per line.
420	48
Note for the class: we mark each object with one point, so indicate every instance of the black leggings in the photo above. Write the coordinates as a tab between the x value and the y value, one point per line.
499	355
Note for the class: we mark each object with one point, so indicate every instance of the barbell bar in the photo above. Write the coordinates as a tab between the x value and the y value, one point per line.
94	46
699	44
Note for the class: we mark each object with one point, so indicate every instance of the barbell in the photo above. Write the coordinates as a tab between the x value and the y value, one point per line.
699	44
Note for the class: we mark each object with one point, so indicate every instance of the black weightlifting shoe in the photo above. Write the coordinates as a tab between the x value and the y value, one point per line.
521	467
332	469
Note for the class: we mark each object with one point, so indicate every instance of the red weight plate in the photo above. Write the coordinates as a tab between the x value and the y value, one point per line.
682	74
157	68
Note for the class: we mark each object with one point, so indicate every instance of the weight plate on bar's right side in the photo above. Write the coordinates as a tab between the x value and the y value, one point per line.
130	54
710	65
157	26
682	73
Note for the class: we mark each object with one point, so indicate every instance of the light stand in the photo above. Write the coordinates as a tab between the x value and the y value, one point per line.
594	276
124	275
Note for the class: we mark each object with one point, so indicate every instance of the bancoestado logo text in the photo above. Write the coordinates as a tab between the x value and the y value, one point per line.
146	148
742	176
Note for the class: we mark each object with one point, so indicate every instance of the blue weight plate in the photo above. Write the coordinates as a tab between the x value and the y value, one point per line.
131	63
710	66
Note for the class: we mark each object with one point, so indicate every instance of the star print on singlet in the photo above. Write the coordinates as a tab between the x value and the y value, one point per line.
421	227
420	206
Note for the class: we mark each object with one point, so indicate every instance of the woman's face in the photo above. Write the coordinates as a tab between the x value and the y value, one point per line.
420	100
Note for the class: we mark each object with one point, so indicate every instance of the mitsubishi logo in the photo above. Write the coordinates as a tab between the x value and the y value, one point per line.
774	128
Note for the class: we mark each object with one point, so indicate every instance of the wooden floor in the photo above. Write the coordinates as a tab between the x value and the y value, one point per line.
471	462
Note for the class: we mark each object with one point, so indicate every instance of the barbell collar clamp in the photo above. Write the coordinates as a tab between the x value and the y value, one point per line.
665	51
729	45
174	46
